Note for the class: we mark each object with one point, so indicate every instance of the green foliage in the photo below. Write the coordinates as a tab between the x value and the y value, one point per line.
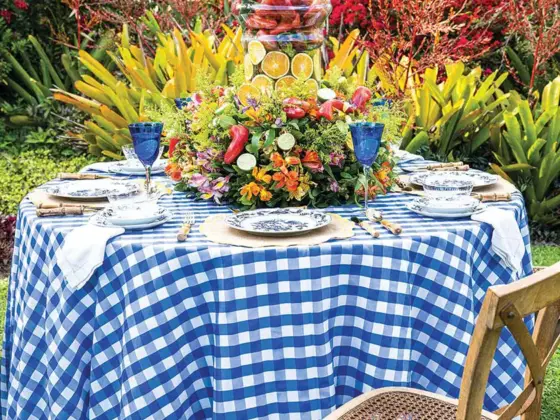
26	171
457	116
528	153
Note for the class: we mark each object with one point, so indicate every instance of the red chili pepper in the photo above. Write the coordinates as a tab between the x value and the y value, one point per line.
239	138
361	97
295	102
172	144
327	109
294	112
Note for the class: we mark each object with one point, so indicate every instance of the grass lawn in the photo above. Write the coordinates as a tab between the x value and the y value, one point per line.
542	256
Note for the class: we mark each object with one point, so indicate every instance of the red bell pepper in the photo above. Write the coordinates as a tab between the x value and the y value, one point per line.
327	109
172	144
361	97
294	112
239	138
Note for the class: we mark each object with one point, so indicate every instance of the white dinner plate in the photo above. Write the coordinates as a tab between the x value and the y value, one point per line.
424	212
278	222
125	167
100	219
452	205
91	189
134	214
478	178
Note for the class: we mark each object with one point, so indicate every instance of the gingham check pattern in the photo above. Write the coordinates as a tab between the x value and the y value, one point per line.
198	330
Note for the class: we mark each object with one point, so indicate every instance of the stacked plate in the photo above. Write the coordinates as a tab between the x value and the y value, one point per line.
452	207
92	190
135	168
478	178
132	217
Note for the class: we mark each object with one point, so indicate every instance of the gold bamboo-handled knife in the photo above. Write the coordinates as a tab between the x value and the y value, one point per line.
377	215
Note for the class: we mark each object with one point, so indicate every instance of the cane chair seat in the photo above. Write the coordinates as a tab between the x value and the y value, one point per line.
402	404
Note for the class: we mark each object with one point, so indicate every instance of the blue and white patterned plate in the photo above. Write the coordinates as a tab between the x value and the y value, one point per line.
133	214
125	167
445	205
91	190
479	178
101	219
278	222
418	208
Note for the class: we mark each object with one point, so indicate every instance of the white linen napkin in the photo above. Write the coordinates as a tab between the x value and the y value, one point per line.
83	252
507	241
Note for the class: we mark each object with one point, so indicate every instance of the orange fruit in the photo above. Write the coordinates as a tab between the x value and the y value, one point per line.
256	52
263	83
248	93
248	67
275	64
302	66
284	82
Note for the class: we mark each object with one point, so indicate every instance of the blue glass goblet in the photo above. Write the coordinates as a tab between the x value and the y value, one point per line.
366	138
180	103
146	138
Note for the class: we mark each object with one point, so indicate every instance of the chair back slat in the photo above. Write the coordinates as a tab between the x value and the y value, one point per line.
506	306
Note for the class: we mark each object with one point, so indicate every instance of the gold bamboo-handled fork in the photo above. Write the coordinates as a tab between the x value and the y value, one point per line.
367	226
185	229
377	215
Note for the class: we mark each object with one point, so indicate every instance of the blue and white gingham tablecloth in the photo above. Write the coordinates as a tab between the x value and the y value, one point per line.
199	330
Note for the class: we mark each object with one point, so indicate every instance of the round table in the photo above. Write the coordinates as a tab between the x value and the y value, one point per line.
199	330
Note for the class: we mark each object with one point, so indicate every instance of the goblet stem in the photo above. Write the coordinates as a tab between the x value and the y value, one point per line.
366	188
148	179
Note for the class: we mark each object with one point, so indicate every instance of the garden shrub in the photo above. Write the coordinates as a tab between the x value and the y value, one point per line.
20	174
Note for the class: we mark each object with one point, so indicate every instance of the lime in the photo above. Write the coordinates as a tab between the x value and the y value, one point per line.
246	162
286	141
326	94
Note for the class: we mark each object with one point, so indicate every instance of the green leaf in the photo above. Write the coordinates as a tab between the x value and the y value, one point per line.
418	141
270	137
255	143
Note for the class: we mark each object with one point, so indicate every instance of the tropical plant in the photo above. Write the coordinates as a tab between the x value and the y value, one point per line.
456	116
528	152
174	71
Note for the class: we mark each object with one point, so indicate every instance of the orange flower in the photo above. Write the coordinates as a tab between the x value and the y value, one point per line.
292	160
311	160
261	175
277	160
290	180
383	177
173	171
250	190
265	195
300	192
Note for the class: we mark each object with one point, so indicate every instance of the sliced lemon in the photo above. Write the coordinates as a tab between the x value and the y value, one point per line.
263	83
313	87
302	66
284	83
248	67
275	64
248	95
256	52
286	141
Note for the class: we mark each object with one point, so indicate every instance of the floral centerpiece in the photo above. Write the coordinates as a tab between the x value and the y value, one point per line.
279	147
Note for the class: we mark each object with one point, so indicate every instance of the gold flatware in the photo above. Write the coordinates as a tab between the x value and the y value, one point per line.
489	197
80	176
188	222
64	211
461	168
443	165
377	215
368	227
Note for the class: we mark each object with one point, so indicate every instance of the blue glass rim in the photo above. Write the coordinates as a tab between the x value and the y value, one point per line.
145	127
366	124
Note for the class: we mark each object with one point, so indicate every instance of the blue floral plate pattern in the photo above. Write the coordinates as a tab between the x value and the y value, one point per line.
278	222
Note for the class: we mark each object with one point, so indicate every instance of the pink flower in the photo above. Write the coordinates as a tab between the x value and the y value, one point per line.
7	15
337	159
21	4
334	187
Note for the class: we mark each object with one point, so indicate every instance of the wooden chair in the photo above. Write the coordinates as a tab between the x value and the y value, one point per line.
504	306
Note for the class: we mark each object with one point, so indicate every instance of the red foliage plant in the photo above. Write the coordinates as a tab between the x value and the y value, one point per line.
7	233
419	34
538	22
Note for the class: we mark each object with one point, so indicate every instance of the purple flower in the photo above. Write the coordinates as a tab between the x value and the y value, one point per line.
278	122
216	189
337	159
199	181
334	187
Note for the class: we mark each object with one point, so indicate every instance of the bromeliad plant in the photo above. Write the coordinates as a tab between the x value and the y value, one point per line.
278	148
172	72
528	152
457	116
